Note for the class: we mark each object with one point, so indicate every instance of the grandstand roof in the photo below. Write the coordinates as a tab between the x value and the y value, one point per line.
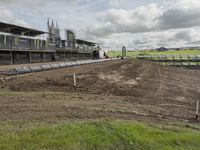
16	29
79	41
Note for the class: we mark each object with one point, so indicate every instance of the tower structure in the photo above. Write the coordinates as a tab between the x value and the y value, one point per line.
70	38
54	33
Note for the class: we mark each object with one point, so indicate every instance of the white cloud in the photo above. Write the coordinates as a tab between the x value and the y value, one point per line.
141	19
5	13
117	2
168	38
7	16
175	14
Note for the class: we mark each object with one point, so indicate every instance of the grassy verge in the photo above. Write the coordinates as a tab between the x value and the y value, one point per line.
170	52
97	135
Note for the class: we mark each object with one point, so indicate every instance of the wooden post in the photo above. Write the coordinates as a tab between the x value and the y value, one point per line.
75	81
197	110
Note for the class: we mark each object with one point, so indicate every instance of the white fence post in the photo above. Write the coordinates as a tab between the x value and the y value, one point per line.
197	110
75	81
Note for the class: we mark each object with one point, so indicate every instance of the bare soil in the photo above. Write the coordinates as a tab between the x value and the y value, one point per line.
125	89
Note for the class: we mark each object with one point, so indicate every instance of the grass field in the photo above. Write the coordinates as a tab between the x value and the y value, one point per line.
97	135
171	52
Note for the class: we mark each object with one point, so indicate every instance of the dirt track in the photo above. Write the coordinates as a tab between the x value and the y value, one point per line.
124	89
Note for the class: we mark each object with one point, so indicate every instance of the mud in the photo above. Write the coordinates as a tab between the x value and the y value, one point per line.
126	89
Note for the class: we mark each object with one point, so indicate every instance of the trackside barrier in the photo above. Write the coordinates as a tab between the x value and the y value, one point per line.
55	66
23	69
8	72
45	67
36	68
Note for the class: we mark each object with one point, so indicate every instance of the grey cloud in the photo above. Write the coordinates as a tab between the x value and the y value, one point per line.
139	42
144	26
193	43
180	18
37	1
38	4
174	15
168	38
184	35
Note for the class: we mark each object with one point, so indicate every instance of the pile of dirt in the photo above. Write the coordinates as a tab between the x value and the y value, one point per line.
126	89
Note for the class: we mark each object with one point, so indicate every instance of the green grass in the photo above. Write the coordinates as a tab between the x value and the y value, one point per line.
184	63
170	52
97	135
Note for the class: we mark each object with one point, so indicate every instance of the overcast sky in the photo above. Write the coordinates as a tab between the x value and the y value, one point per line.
114	23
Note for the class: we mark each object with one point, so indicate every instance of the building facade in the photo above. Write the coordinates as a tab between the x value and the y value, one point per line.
21	45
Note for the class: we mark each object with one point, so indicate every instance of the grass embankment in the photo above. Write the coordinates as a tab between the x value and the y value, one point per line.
97	135
170	52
